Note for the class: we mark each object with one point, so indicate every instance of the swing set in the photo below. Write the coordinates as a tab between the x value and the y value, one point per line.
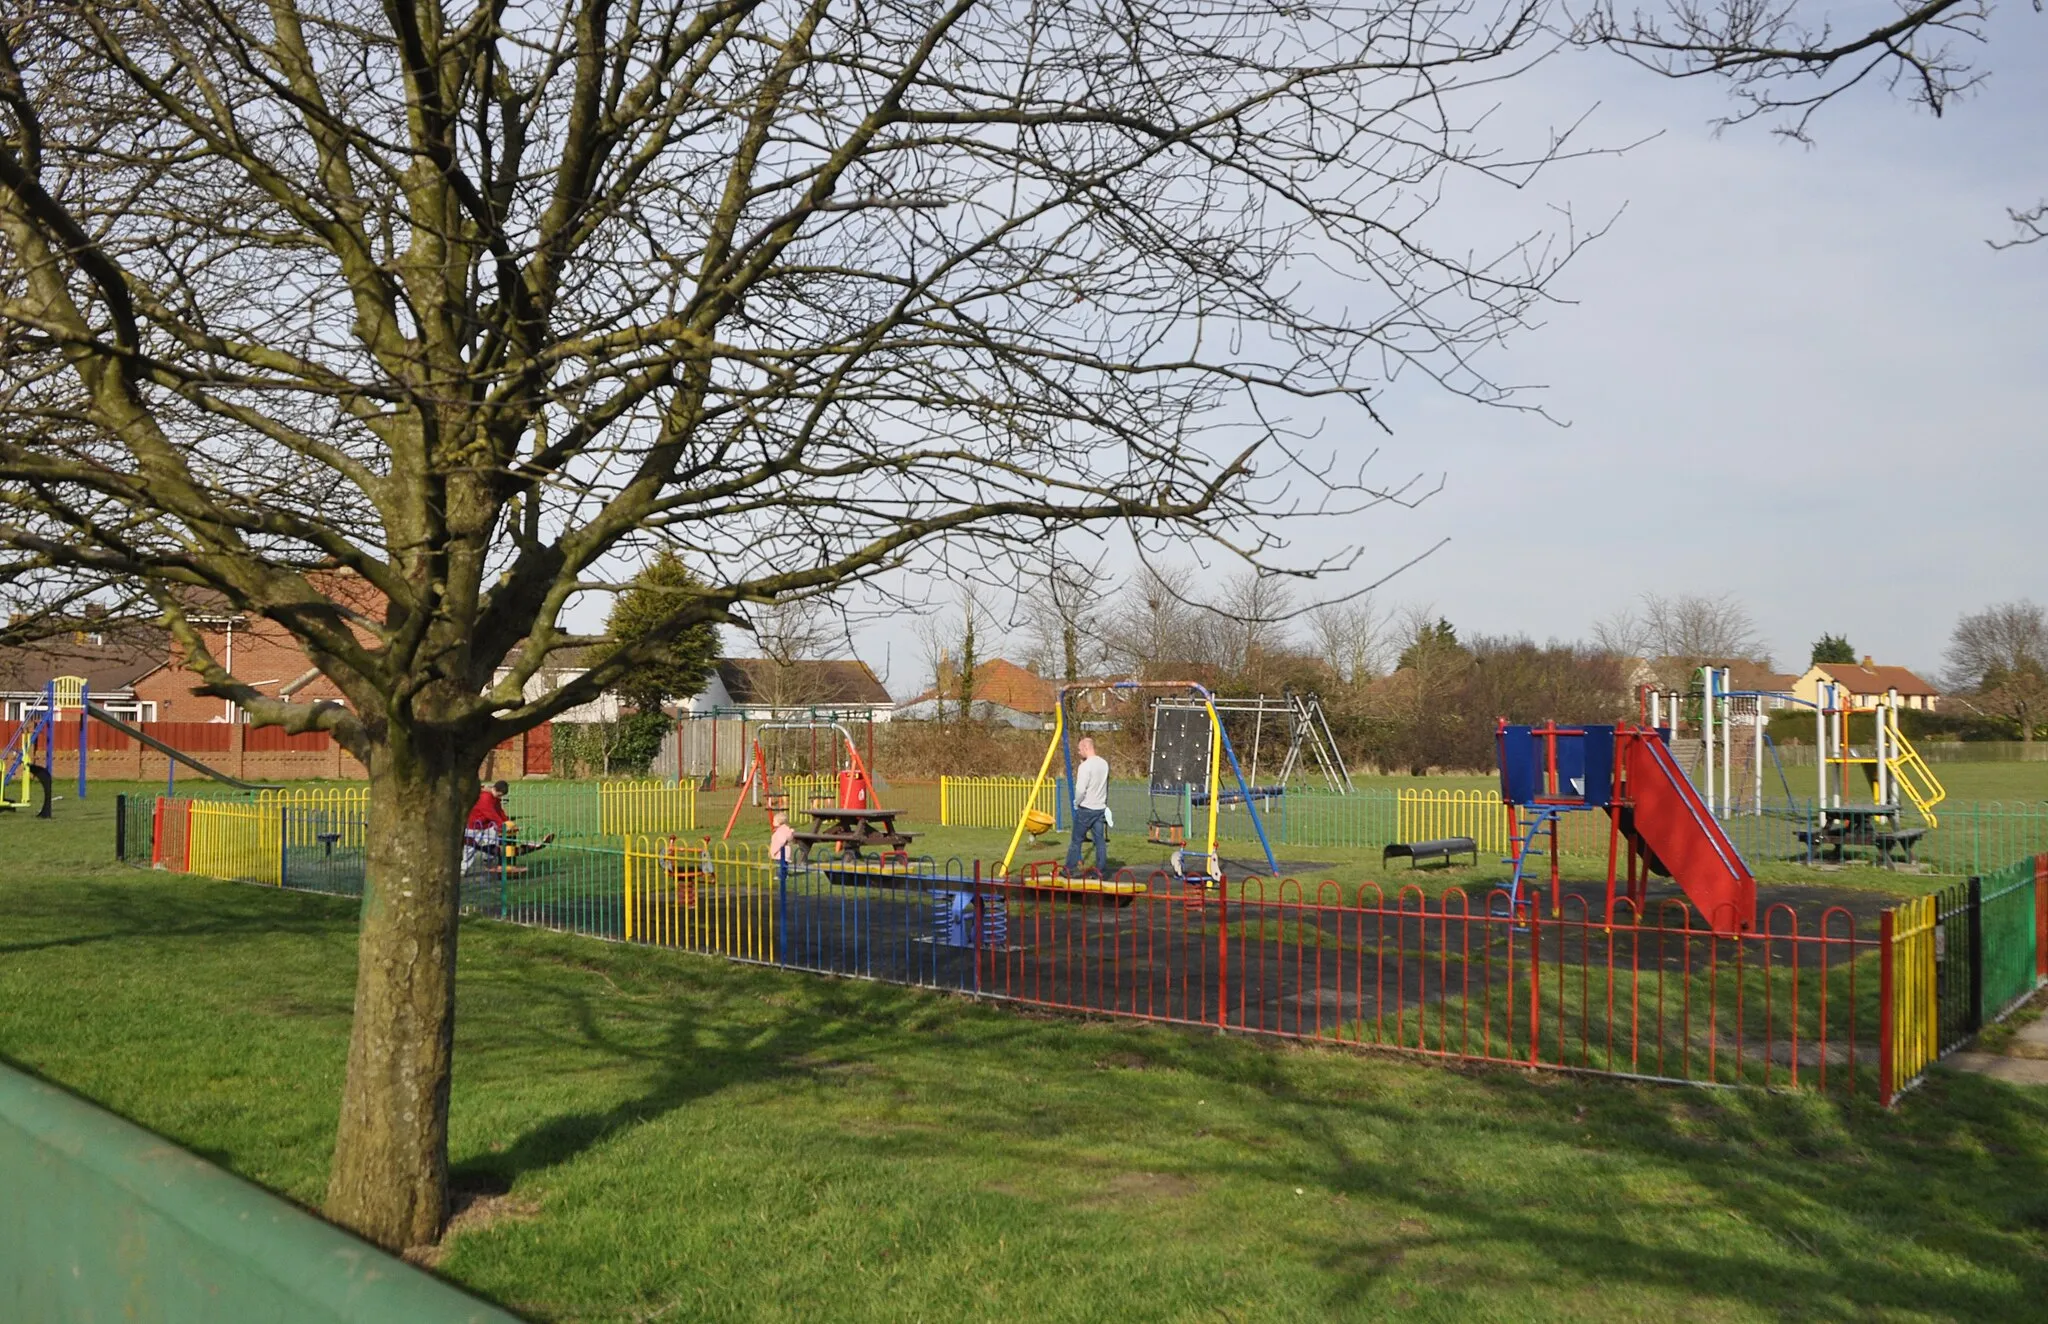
766	785
1189	751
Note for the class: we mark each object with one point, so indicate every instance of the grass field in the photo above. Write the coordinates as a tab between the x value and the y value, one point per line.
658	1136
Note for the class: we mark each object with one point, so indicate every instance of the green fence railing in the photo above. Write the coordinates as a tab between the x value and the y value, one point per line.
106	1221
2008	920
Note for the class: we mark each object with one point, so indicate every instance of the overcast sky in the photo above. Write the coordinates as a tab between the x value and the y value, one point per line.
1794	374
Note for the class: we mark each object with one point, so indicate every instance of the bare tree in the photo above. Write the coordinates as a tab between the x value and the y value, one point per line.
2000	656
935	649
1351	639
1251	616
403	326
1062	607
793	630
1624	633
1785	62
1154	626
1685	628
970	648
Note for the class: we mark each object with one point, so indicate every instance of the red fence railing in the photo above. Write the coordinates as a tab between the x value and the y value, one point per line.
1656	994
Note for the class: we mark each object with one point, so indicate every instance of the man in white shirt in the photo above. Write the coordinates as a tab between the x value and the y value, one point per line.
1091	808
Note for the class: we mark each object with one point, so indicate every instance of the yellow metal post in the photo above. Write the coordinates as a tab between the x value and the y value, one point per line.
1215	783
1059	720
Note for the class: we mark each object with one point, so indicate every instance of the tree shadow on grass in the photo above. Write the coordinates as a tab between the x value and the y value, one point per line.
193	910
1850	1200
687	1039
1771	1202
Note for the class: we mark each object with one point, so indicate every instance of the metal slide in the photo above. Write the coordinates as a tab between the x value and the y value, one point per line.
1672	821
179	755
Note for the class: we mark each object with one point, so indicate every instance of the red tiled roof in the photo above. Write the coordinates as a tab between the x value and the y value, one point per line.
1858	679
1002	682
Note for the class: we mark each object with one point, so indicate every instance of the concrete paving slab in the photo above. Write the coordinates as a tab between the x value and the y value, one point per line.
2012	1070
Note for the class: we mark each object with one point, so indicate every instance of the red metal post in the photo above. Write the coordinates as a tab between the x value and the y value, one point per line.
2040	918
1222	952
1535	978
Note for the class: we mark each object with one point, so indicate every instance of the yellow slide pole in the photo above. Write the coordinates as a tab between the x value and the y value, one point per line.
1059	727
1215	783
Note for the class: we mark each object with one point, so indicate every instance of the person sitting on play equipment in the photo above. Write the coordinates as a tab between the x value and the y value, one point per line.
1091	808
781	839
489	826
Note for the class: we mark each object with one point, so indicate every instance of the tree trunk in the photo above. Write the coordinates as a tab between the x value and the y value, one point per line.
390	1176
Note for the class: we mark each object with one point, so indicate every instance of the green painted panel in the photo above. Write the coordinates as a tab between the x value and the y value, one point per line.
101	1220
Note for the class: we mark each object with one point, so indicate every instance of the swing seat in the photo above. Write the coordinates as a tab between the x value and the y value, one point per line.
777	800
1164	833
1037	822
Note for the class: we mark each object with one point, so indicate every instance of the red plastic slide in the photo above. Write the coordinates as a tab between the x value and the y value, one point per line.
1672	821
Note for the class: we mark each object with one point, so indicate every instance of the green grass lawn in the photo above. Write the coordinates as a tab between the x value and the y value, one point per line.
673	1138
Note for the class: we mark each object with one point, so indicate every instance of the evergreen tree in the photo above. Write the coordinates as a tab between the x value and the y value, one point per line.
1833	648
678	669
1430	641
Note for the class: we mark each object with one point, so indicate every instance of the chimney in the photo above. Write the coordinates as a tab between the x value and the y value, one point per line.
1867	662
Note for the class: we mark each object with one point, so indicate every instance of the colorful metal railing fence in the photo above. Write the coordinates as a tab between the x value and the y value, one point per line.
1955	961
718	898
988	802
637	807
240	841
1818	1000
2012	911
1908	1041
1431	815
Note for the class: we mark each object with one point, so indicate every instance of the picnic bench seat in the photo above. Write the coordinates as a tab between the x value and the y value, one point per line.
1885	842
1441	849
1905	838
888	840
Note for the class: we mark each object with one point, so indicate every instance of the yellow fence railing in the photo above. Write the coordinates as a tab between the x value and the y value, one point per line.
341	799
630	808
1915	1012
1431	815
808	789
237	841
326	816
991	802
701	896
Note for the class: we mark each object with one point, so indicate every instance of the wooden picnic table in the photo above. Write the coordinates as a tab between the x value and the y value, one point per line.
851	829
1875	826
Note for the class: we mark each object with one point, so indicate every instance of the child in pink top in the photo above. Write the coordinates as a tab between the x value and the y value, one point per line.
782	841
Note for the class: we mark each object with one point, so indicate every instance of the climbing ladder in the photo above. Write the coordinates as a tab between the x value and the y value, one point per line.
1543	819
1910	772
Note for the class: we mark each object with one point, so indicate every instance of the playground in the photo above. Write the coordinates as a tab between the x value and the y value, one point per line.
1604	925
1622	932
806	1147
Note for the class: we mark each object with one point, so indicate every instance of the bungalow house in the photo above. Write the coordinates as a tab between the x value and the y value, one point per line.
118	669
1003	692
1865	683
1018	696
761	689
562	666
